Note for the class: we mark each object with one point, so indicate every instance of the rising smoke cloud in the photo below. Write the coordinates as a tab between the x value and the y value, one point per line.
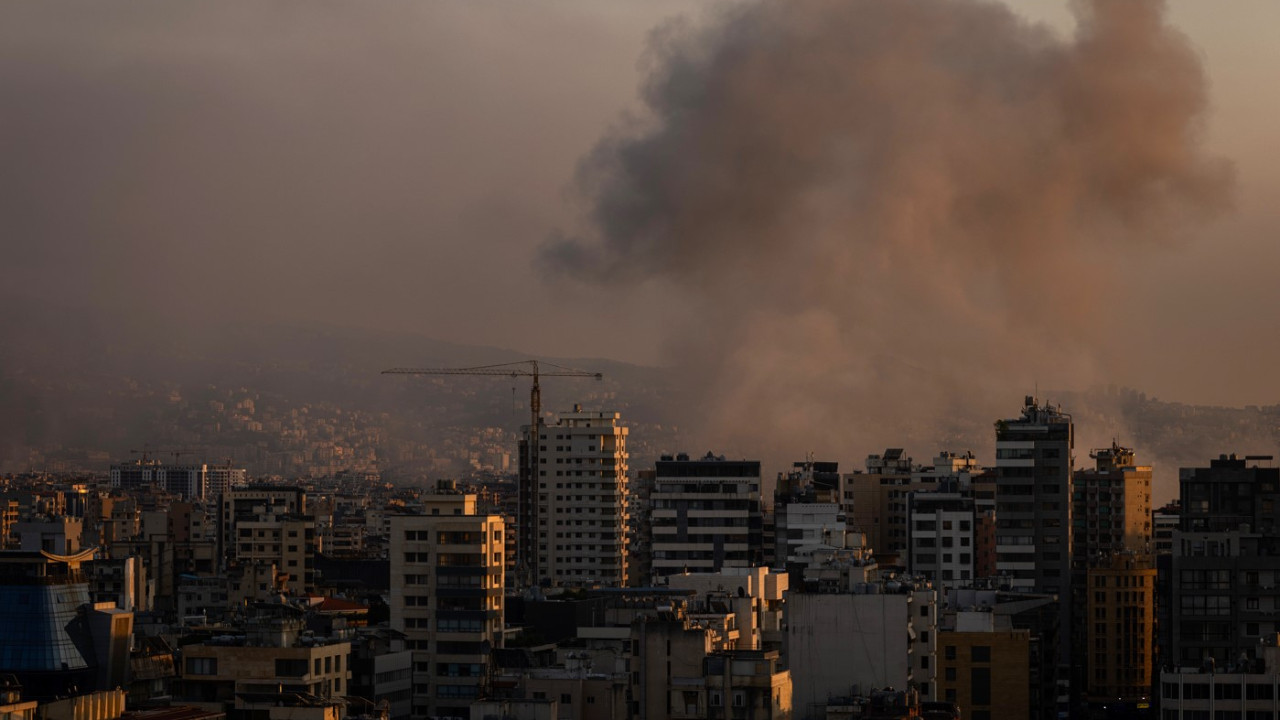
886	221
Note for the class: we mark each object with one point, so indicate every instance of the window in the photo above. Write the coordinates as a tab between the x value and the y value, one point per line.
202	666
950	674
980	683
1258	691
981	653
291	668
950	652
1226	691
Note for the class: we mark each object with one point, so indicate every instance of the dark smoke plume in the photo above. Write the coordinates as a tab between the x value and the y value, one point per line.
887	216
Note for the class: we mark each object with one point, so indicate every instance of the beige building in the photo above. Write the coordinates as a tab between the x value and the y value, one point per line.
876	501
1112	502
271	660
746	684
582	512
751	597
1120	626
447	597
267	524
983	667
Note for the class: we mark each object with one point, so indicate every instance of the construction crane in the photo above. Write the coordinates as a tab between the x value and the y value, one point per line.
526	548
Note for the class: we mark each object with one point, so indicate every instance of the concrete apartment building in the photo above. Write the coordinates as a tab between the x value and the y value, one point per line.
1111	506
869	635
1223	589
1250	692
1119	630
876	501
200	481
806	511
1033	512
1111	544
706	515
1035	614
943	537
1164	522
1033	499
753	596
583	500
255	503
447	569
272	657
983	668
678	674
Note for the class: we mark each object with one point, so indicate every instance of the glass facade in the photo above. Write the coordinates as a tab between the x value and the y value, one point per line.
41	630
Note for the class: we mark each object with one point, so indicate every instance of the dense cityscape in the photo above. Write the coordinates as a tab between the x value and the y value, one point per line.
1035	584
639	360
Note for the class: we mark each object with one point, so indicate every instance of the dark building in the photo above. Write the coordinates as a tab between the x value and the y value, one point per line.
1230	494
1033	511
53	640
706	515
1223	576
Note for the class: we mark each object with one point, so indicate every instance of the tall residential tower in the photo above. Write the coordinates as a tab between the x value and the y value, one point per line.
582	494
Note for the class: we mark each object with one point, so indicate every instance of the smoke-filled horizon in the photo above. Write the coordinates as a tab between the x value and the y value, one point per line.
877	214
176	171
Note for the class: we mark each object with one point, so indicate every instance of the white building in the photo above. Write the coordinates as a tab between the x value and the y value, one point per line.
942	537
582	512
802	524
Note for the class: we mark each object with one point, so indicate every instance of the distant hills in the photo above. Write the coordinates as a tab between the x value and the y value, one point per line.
79	390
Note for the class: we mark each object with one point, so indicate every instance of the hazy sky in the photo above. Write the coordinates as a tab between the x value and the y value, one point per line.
398	165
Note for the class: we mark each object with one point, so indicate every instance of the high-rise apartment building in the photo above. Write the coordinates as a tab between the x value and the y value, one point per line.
447	572
1111	541
1223	584
1111	506
706	515
1033	514
582	500
1119	627
1231	494
1033	499
943	538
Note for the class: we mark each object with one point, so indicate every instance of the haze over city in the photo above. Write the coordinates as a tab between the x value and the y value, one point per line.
833	244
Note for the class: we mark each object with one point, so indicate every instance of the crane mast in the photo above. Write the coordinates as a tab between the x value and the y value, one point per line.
527	485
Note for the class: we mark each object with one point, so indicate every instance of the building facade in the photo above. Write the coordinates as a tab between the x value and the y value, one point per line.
706	515
447	573
582	500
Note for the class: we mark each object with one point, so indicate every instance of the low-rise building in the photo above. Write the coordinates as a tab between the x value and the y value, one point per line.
273	657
